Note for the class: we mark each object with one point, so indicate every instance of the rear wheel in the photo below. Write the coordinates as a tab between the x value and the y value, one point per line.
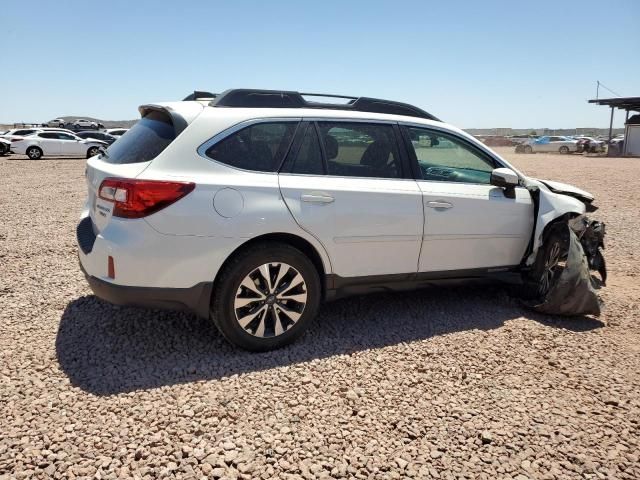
564	149
3	149
34	153
528	149
266	297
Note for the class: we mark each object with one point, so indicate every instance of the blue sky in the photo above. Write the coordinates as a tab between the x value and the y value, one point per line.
473	64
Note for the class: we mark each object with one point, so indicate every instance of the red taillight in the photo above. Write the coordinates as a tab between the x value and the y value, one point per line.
139	198
111	268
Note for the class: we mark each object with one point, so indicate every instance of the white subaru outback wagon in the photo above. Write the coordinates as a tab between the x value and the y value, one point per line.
251	207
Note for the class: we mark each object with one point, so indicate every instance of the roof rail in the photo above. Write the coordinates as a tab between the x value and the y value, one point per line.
199	95
250	98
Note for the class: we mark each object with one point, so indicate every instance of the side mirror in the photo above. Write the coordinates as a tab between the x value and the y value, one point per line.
505	178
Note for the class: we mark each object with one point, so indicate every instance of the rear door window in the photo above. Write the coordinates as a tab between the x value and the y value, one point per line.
355	149
308	160
144	141
260	147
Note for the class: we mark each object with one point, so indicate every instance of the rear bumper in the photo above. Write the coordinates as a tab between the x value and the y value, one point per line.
195	299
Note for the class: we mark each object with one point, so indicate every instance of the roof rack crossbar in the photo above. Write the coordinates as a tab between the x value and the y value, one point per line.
250	98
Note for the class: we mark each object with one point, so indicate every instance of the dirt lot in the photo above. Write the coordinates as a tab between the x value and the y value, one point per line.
459	383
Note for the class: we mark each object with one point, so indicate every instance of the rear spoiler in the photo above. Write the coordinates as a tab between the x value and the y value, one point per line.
178	121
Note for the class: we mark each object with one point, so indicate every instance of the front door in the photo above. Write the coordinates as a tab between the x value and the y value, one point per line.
469	223
346	184
70	144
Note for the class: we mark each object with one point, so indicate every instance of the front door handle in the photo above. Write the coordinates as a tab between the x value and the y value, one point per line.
317	198
439	205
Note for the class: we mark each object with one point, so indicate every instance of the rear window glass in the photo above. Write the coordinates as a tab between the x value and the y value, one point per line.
144	141
260	147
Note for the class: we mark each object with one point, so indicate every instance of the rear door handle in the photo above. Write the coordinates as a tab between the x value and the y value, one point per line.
317	198
439	205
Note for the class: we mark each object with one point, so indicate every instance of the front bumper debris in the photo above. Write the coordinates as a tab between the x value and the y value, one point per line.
575	290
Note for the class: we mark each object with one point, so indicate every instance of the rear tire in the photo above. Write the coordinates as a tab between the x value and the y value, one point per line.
564	150
3	150
528	149
34	153
257	314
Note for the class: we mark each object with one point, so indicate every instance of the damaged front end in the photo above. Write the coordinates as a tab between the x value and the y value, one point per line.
567	247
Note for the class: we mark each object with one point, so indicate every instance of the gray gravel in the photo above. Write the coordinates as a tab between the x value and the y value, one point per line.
458	383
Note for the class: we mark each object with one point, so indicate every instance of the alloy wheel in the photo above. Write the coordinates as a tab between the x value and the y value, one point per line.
551	266
270	300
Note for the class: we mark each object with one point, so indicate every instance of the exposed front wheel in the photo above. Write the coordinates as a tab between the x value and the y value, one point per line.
266	297
564	149
550	262
92	152
34	153
528	149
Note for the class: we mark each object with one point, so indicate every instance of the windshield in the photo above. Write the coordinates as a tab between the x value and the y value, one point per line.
144	141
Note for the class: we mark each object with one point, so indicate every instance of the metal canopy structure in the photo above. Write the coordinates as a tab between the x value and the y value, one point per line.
623	103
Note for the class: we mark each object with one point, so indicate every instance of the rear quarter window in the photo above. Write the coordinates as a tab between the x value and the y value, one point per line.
260	147
144	141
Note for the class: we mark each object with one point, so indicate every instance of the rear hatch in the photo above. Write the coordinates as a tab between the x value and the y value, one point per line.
130	155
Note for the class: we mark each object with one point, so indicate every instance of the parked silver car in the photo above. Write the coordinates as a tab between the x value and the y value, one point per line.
549	144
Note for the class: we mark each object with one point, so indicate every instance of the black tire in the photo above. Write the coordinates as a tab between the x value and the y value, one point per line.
3	149
228	285
528	149
92	152
34	153
549	262
563	150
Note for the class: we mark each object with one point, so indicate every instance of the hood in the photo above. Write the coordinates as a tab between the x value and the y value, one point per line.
566	189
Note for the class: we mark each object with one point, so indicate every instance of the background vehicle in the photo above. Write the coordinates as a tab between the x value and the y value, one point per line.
549	144
5	146
252	216
116	132
50	143
589	144
105	137
81	123
56	122
19	133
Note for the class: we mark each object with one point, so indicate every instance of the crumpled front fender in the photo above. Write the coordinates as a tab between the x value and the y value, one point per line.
550	206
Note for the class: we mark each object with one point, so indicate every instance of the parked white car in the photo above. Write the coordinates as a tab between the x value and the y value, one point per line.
5	146
55	143
19	133
550	144
56	122
82	123
116	132
253	208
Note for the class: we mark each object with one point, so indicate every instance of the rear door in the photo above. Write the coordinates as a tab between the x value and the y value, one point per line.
49	143
348	184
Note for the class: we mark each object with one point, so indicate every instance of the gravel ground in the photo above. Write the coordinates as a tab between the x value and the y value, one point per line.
457	383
